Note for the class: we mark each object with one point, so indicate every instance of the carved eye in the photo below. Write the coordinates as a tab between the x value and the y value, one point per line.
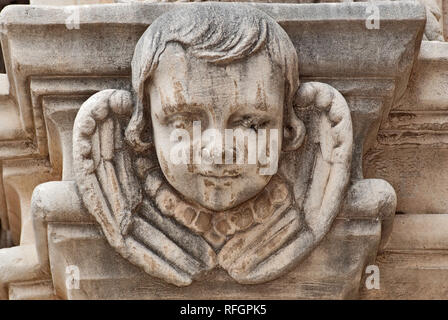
253	124
182	122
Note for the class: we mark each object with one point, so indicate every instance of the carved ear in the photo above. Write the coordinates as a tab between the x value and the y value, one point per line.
293	131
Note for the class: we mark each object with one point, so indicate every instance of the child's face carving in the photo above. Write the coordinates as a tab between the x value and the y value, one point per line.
247	94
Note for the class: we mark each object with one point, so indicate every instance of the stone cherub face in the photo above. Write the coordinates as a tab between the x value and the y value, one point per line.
225	66
247	95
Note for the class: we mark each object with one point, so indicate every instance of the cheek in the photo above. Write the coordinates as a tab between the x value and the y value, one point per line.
178	176
251	185
258	180
275	143
269	146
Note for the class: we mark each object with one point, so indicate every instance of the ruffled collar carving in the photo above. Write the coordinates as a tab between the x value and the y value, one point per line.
218	227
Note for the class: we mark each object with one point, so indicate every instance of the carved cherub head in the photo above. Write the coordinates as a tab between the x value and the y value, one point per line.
223	69
225	66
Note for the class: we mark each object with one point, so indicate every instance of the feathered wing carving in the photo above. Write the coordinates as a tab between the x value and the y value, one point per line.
104	167
318	174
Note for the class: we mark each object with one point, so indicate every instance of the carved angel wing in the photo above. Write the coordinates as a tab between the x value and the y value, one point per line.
318	174
104	167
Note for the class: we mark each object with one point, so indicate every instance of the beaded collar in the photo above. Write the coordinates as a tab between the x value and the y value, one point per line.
218	227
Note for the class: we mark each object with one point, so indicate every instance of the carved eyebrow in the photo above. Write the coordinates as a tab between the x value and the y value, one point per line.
252	116
255	109
182	108
262	106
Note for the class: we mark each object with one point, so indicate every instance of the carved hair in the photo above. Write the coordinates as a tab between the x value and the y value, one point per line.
218	33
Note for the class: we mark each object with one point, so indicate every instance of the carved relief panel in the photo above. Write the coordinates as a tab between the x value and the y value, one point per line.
225	69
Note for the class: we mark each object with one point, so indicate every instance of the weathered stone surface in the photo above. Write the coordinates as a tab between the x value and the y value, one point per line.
246	54
326	231
68	2
351	242
411	152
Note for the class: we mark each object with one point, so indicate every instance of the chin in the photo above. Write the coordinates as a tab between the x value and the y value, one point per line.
218	193
219	206
225	197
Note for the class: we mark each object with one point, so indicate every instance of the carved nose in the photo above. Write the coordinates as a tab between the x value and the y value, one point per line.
212	152
217	152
